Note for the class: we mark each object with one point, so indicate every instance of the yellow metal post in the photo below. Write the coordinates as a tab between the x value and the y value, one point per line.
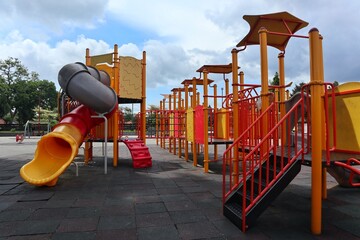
235	110
316	78
206	123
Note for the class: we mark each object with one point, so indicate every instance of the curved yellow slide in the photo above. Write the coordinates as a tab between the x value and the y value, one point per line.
55	151
53	155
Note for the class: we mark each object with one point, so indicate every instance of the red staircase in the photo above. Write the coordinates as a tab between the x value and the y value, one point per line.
139	152
262	166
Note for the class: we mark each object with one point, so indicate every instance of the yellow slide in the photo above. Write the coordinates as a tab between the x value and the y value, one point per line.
55	151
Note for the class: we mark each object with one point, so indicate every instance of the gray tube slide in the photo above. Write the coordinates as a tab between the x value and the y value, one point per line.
290	103
88	86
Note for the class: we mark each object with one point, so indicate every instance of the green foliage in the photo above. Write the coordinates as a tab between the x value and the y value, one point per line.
151	118
21	91
297	88
128	115
276	80
153	107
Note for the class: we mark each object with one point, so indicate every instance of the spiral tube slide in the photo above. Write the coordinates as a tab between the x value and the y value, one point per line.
55	151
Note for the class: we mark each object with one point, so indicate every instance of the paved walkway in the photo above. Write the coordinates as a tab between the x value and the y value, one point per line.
172	200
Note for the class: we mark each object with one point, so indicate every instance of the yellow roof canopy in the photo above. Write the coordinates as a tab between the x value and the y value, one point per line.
281	27
225	69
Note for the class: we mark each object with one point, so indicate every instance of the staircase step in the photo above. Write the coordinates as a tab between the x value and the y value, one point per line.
233	206
233	211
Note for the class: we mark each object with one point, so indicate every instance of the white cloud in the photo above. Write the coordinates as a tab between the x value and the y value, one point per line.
167	64
184	36
40	18
46	60
184	22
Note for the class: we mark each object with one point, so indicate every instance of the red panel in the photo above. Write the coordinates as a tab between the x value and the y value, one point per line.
199	124
176	124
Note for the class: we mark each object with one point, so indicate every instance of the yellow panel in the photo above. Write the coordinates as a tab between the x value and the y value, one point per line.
222	124
172	124
347	117
130	84
104	58
190	125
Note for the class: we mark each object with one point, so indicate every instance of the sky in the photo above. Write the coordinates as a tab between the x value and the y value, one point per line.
178	37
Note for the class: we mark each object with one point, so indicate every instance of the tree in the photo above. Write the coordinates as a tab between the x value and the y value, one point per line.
276	80
152	117
153	107
11	72
128	116
297	88
22	91
4	93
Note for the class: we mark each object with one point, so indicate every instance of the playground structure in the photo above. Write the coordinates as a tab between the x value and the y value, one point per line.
32	127
268	135
90	112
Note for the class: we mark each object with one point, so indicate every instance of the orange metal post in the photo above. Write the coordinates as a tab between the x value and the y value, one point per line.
186	123
116	72
88	145
242	80
264	83
282	93
226	94
206	125
170	131
235	109
163	127
180	123
324	175
316	78
174	125
324	184
214	120
158	125
143	100
194	100
161	122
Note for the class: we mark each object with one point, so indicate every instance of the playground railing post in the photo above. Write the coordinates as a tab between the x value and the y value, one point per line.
316	81
235	110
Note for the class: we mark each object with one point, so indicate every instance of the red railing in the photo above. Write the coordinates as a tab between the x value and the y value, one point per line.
349	165
243	94
264	137
328	92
